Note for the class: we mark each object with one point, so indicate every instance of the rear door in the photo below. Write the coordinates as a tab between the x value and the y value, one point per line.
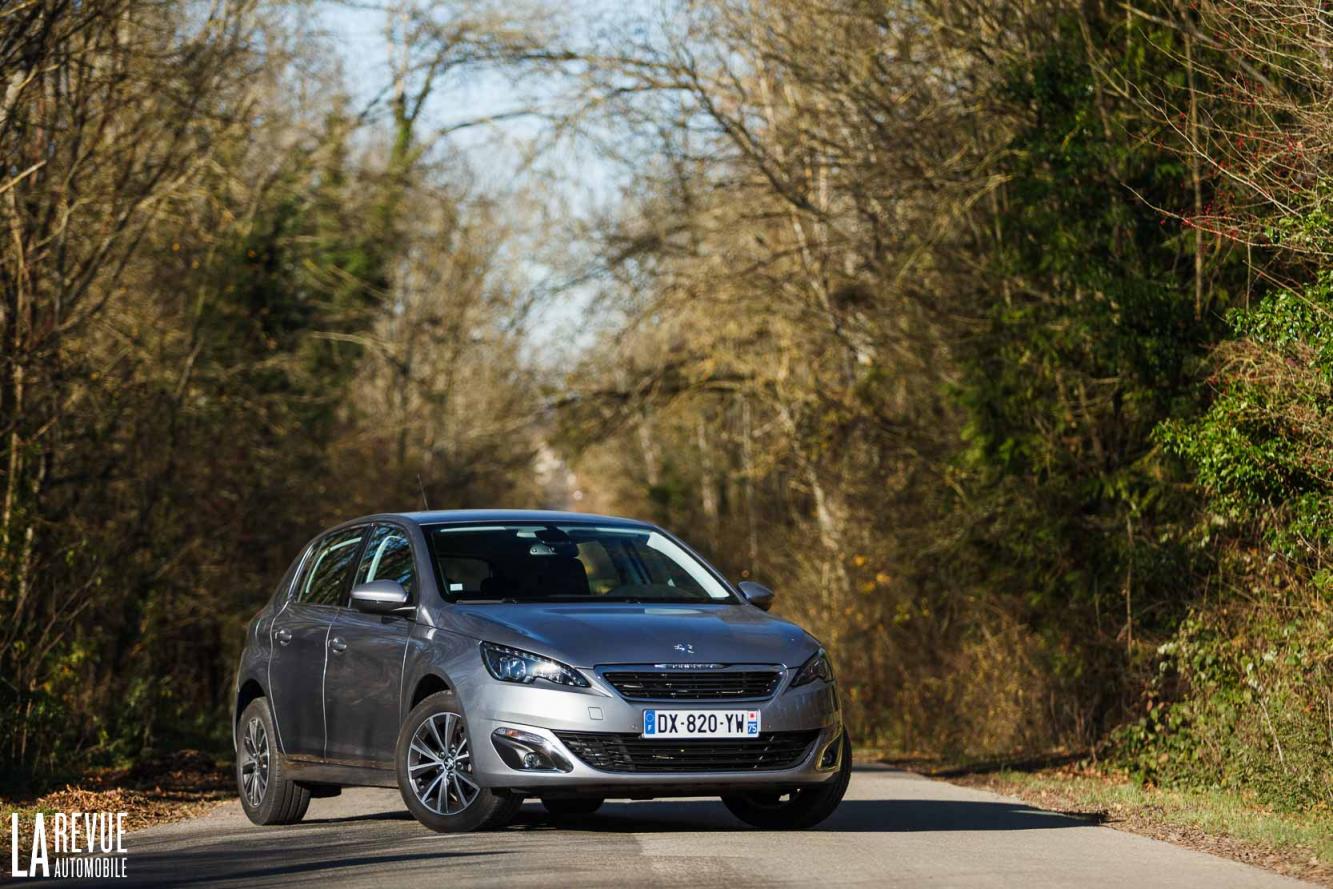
300	642
363	685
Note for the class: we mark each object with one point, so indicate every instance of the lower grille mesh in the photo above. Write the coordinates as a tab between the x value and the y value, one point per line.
631	753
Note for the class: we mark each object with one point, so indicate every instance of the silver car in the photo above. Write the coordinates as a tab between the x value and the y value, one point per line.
474	659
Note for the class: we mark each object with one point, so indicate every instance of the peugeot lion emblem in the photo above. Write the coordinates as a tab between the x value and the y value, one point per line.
685	647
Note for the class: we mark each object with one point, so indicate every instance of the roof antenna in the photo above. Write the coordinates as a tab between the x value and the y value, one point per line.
425	504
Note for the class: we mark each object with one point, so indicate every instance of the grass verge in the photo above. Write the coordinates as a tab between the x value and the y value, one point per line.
1218	822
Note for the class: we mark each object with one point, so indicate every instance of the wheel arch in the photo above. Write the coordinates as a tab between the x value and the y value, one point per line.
249	692
427	684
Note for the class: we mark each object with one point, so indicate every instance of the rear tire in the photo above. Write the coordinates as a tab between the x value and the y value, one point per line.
434	765
802	808
267	795
572	807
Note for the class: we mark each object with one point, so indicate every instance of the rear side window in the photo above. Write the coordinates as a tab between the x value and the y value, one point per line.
329	577
388	556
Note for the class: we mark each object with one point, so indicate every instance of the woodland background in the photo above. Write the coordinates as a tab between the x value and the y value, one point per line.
995	334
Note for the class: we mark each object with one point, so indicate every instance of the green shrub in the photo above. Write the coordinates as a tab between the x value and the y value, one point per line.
1243	697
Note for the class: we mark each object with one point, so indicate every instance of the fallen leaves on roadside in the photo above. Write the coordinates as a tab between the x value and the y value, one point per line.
174	787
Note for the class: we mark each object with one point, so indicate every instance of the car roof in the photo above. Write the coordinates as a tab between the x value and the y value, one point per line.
447	516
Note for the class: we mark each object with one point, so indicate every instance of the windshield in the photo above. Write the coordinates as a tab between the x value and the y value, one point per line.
557	563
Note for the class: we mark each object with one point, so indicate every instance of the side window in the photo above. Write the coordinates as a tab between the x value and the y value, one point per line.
388	556
295	572
327	580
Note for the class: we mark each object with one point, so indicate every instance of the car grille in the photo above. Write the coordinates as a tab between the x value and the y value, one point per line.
701	685
631	753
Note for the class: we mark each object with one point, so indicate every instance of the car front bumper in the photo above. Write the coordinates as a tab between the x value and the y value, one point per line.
547	711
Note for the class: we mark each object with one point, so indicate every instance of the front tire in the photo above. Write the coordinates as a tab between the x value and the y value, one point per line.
799	809
267	796
435	773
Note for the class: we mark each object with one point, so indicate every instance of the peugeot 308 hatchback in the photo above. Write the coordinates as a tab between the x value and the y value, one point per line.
474	659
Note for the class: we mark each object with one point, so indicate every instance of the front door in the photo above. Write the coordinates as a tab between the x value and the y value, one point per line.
300	643
363	685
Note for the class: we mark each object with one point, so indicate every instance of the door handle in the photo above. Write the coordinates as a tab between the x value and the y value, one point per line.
337	644
284	636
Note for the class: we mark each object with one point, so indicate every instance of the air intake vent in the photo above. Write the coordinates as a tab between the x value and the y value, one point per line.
630	753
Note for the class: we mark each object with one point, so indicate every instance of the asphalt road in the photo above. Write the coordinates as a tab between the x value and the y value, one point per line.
893	829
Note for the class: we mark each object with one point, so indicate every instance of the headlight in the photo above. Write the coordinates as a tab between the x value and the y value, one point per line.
818	667
513	665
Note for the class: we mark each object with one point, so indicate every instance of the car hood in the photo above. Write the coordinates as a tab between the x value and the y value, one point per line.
591	635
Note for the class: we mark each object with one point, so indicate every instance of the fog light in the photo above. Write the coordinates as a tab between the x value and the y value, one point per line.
527	752
830	755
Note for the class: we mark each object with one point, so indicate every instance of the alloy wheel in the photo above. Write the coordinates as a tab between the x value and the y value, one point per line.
439	765
254	762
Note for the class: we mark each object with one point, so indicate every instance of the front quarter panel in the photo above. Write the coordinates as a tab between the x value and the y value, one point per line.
433	654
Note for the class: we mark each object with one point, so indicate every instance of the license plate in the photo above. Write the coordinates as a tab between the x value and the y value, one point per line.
700	723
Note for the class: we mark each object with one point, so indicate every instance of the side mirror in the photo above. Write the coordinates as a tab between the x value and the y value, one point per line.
379	596
756	594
